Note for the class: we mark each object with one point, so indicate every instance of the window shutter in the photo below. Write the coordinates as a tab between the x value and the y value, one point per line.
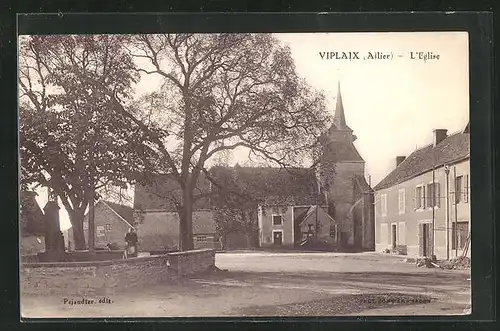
438	194
428	200
466	193
415	200
424	193
431	239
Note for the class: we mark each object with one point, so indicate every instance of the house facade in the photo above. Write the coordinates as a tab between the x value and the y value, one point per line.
422	208
296	226
111	221
157	219
158	230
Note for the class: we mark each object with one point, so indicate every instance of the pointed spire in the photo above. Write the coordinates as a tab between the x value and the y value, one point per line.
339	117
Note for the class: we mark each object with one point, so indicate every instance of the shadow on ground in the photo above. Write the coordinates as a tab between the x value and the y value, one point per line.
336	305
441	282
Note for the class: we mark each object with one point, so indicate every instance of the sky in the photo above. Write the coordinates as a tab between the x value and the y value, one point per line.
393	104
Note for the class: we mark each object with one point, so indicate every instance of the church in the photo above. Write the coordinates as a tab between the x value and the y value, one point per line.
337	211
328	206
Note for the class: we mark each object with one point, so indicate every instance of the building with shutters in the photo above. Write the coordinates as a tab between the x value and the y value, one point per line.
422	208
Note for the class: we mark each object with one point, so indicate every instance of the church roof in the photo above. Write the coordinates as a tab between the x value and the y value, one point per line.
339	121
362	184
453	148
342	151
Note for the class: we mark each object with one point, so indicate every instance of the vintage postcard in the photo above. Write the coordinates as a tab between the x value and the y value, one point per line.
244	174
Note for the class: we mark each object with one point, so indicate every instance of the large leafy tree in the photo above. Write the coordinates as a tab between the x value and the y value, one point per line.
223	92
71	139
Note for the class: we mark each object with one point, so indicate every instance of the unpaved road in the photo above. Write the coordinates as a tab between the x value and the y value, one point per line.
287	284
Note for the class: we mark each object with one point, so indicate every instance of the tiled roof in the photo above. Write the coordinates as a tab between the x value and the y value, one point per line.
266	185
269	184
124	211
453	148
162	191
314	212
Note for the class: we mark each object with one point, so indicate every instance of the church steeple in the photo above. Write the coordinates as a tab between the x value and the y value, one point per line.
339	117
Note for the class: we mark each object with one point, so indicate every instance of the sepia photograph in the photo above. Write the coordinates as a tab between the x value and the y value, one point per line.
244	174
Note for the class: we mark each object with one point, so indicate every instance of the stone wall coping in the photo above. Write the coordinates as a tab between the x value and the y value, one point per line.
132	260
192	252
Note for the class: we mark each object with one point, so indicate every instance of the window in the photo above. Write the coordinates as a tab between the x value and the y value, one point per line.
100	231
462	189
383	204
420	197
433	195
108	227
458	188
201	238
466	189
459	234
277	220
333	231
401	201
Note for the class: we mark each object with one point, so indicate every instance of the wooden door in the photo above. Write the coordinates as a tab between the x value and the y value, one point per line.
394	234
278	238
426	239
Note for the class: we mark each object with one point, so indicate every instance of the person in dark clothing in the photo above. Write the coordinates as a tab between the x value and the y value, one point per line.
131	242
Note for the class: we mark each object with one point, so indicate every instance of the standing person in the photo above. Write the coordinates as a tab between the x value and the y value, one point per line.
131	243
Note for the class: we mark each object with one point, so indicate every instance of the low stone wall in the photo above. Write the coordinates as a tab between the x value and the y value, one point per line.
108	277
192	262
80	256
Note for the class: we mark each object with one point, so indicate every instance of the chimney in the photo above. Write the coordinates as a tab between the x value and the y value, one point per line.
439	136
399	159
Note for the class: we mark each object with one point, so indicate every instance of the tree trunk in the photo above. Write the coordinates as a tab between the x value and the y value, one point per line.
247	237
91	234
186	223
223	242
76	219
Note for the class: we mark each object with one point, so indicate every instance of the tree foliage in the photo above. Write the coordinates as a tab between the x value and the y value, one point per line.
220	92
71	140
223	92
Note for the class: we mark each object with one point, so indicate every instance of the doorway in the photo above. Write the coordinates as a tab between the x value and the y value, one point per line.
426	240
394	229
277	238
